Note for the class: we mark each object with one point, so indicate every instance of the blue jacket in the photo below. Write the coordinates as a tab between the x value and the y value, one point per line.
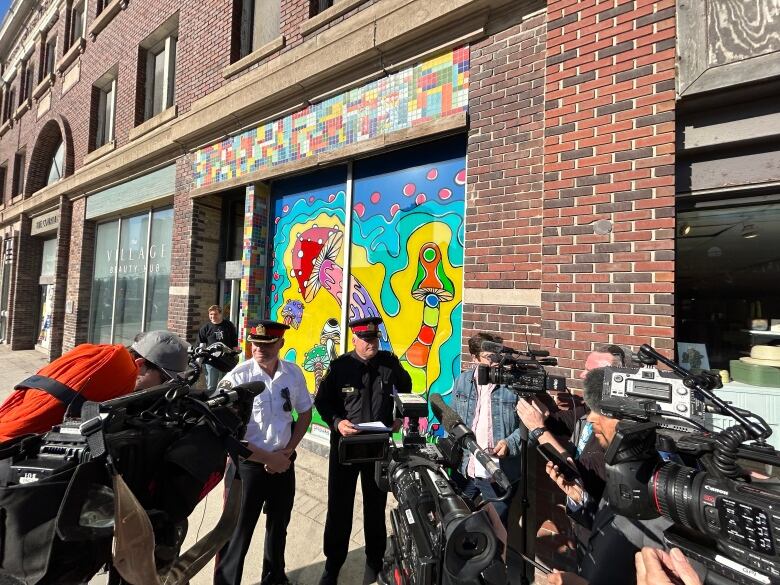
506	423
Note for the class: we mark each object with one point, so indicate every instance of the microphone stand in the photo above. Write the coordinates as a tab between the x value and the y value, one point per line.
522	495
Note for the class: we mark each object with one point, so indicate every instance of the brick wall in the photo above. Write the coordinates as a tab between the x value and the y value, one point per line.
79	278
25	305
504	190
608	156
62	268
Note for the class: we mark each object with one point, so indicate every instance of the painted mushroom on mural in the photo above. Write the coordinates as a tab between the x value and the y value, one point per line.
316	360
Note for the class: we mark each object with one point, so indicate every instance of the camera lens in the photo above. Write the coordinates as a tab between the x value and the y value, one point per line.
673	492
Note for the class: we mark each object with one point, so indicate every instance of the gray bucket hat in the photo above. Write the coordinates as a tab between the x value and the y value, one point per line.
164	349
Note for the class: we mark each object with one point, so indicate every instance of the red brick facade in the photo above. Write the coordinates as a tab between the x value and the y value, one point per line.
570	211
609	157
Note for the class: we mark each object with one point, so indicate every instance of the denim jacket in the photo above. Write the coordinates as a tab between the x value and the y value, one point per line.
506	423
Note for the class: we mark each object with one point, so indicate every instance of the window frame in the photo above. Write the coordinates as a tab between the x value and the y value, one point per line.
250	17
166	48
3	180
25	81
319	6
78	9
105	109
49	57
18	182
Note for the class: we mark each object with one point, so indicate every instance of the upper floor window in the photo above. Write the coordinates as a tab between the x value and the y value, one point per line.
104	99
49	57
259	24
8	104
57	165
26	81
101	5
157	70
77	22
17	184
318	6
3	179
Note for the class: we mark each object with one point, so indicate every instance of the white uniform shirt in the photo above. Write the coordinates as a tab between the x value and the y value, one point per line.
269	427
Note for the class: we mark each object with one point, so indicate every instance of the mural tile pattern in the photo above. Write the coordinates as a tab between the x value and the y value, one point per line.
425	92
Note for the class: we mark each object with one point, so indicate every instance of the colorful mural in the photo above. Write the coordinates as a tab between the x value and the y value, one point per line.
433	89
406	260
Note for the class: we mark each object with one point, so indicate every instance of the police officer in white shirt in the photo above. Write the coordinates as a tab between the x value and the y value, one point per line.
268	475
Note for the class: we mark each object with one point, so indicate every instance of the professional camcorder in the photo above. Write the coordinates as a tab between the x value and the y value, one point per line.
439	537
522	371
723	516
146	458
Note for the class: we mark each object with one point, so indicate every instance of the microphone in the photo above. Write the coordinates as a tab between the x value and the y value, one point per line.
464	436
228	395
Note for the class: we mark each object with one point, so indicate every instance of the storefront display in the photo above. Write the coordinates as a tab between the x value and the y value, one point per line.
728	277
46	282
131	277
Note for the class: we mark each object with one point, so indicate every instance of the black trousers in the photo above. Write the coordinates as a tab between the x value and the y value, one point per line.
277	491
342	483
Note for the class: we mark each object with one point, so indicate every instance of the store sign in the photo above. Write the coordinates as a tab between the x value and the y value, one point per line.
234	270
132	260
45	223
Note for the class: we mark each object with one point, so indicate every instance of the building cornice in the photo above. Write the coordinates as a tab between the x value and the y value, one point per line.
373	41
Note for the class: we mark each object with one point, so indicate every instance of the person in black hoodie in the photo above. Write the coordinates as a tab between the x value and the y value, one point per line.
217	329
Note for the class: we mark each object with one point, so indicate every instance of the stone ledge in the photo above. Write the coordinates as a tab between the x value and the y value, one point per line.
328	15
25	105
152	123
43	86
514	297
6	126
99	152
267	49
106	16
72	54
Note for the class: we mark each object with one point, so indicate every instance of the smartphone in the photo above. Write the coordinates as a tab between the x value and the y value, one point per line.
550	453
539	565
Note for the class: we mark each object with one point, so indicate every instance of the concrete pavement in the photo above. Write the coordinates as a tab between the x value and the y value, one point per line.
304	557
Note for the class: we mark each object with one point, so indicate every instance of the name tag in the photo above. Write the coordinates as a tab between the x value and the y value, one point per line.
348	390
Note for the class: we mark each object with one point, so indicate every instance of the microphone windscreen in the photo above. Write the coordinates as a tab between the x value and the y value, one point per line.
483	375
448	417
253	388
491	347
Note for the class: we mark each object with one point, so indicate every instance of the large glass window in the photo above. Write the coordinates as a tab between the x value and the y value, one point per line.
728	277
131	278
48	264
56	168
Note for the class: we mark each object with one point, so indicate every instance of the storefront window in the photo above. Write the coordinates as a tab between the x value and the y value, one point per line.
728	277
132	274
159	271
48	263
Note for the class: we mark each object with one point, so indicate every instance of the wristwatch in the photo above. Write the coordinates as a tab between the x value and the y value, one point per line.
533	436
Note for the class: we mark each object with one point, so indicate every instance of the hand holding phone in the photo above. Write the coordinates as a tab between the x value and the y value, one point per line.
550	453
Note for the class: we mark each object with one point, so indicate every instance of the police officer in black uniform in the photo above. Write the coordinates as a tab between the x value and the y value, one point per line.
358	388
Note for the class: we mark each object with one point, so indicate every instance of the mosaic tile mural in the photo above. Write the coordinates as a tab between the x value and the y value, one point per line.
428	91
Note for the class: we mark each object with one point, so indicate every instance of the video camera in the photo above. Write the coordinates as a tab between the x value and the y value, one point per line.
723	517
147	457
523	372
438	536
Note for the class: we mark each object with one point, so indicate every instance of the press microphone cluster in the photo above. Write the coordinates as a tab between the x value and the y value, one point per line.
226	394
465	437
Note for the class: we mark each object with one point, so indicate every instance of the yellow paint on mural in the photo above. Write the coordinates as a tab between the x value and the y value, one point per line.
402	329
316	312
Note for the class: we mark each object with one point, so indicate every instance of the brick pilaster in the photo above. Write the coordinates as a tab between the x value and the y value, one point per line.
25	306
60	279
609	163
80	266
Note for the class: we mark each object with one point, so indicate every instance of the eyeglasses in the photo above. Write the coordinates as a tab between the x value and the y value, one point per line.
285	394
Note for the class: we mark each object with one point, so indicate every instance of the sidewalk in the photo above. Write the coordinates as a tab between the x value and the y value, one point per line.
304	557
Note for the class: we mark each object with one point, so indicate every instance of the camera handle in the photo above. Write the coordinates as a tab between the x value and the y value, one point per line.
705	383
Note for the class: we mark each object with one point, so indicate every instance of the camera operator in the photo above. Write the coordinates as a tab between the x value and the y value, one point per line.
222	330
658	567
160	356
268	475
614	539
548	421
489	411
358	388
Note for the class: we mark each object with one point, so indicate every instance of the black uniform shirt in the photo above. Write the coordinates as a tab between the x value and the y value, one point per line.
361	391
